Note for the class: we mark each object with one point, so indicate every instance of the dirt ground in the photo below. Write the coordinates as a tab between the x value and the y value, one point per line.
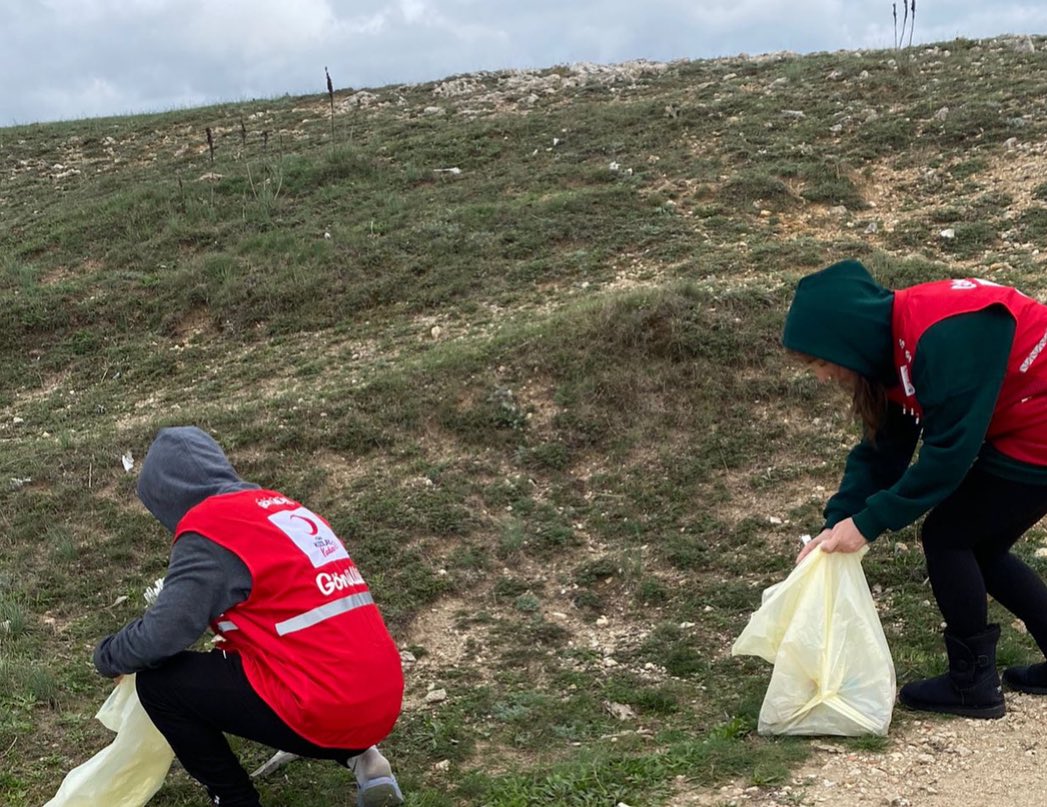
938	762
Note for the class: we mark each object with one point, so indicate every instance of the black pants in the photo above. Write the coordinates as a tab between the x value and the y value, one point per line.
967	541
195	698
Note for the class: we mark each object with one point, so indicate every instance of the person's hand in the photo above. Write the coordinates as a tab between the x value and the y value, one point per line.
843	537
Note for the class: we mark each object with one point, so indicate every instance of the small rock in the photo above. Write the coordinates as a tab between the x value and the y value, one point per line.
1041	552
436	332
948	234
901	548
433	110
620	711
872	229
1011	143
602	621
614	166
942	113
442	765
838	210
436	696
794	113
774	520
686	625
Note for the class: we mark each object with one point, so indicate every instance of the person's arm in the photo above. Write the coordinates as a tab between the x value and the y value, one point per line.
203	581
959	369
873	466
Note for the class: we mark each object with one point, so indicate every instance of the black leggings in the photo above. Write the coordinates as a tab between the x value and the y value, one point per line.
194	698
967	541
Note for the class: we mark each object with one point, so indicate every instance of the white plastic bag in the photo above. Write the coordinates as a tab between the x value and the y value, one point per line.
131	769
833	672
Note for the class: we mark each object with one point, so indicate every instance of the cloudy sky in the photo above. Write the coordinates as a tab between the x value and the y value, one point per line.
63	59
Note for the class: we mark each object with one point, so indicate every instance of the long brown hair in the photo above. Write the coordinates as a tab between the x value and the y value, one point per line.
869	405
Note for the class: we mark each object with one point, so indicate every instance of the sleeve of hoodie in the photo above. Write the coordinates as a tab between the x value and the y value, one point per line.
203	581
958	371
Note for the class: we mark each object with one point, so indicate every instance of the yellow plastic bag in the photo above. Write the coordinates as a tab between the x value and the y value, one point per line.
833	672
127	772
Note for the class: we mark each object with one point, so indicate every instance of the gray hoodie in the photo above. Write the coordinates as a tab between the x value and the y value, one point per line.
183	467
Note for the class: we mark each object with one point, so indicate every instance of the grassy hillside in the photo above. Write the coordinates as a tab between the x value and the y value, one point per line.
516	336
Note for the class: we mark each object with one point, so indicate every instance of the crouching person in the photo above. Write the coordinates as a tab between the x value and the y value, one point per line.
304	663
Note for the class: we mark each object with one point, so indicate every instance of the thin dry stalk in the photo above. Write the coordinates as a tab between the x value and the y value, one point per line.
210	144
330	96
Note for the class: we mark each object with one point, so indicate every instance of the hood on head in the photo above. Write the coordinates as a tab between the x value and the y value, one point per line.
184	466
842	315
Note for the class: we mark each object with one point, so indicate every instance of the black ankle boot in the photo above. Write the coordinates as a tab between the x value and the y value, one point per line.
1031	679
971	688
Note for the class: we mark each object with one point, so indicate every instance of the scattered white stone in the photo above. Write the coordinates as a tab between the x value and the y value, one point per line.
602	621
942	113
872	229
686	625
948	233
436	696
901	548
433	110
17	419
620	711
443	765
407	659
436	332
1041	552
455	171
614	166
794	113
128	461
774	520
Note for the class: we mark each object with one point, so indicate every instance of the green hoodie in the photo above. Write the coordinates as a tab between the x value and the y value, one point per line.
842	315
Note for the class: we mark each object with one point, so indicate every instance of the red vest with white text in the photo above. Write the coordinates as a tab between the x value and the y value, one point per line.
1019	423
313	644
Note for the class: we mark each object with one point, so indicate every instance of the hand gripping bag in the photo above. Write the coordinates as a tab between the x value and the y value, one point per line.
833	672
131	769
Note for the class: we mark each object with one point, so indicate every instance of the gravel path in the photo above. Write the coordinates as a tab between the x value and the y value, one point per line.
927	763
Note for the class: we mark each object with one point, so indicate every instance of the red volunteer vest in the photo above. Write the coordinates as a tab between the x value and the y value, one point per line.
1019	423
313	644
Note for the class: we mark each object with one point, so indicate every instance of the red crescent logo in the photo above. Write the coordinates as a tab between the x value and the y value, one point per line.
313	529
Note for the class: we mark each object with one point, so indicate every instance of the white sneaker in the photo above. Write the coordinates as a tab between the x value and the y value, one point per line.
375	784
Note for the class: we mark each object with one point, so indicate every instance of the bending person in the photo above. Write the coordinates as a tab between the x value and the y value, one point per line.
304	663
955	365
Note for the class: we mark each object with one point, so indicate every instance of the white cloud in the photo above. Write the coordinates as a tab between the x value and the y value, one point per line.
69	58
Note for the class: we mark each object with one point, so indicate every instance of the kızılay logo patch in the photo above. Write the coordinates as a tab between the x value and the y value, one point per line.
311	535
